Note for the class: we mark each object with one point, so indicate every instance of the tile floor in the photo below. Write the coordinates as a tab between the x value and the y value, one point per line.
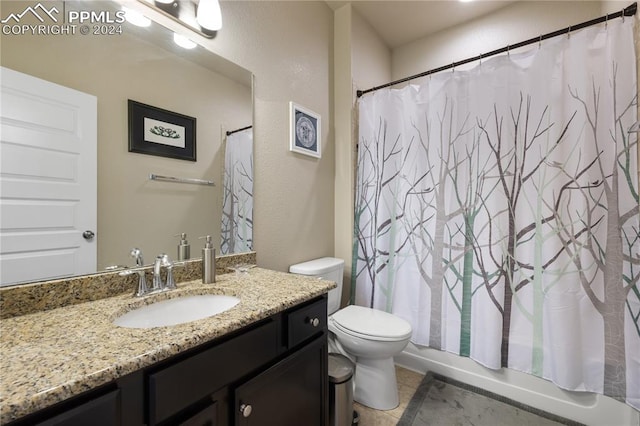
408	382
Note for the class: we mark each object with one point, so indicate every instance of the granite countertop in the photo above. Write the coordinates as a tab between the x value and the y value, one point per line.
49	356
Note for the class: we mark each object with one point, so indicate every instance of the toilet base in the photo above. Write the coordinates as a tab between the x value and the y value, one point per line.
376	384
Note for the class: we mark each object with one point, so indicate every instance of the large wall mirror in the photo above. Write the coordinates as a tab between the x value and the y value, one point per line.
145	65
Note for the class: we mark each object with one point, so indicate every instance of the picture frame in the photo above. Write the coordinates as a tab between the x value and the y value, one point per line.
304	126
157	131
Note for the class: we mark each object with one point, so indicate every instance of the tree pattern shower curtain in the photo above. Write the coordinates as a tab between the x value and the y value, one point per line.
497	211
237	199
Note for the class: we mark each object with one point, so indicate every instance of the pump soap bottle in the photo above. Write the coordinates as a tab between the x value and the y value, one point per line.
208	262
184	249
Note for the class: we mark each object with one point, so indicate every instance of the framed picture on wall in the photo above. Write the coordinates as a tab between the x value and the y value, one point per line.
305	127
156	131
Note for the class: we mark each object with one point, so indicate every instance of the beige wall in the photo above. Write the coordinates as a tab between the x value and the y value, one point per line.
289	48
512	24
371	56
344	181
362	60
133	211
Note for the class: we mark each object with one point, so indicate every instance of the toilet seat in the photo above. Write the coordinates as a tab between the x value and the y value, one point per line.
371	324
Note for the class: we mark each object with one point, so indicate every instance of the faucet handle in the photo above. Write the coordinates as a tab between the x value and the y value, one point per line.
136	253
157	278
166	262
170	284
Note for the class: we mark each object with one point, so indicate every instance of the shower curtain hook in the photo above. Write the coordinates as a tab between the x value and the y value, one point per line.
481	59
540	42
569	32
453	66
606	21
508	53
622	14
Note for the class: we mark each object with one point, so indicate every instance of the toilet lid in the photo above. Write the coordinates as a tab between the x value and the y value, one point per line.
372	322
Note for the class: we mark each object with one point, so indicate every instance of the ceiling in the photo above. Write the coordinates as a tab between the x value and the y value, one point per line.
398	22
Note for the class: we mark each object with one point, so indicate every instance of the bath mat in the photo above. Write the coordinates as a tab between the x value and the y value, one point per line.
439	400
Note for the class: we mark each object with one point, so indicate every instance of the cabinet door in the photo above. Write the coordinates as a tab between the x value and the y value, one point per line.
292	392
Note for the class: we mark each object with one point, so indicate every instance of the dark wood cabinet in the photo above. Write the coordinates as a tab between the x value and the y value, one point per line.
305	322
290	393
101	411
206	417
101	407
175	387
270	372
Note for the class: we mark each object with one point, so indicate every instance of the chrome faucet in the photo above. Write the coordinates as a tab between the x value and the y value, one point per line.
136	253
158	285
162	260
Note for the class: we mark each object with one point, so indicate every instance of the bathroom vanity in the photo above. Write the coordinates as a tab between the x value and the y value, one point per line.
262	362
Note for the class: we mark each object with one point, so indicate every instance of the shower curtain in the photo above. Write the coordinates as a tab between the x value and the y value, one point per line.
497	211
237	199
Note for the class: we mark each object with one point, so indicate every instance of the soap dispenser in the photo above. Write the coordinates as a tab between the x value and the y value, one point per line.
208	262
184	249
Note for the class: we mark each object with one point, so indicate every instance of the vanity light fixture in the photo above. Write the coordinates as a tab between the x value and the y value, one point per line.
635	128
136	18
202	16
183	41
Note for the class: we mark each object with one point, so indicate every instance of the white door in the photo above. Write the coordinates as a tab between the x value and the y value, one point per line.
48	145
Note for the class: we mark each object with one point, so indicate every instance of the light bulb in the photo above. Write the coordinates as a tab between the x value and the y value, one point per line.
209	16
182	41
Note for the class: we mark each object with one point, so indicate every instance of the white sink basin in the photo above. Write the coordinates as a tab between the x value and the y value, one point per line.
176	311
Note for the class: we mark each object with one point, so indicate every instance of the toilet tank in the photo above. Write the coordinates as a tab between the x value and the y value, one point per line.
328	268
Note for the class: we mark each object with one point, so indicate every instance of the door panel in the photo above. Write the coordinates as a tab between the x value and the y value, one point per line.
48	179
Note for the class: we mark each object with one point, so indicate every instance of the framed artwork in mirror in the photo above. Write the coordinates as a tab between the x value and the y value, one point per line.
304	130
157	131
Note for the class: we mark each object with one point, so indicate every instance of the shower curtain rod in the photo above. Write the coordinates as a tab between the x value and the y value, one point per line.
230	132
628	11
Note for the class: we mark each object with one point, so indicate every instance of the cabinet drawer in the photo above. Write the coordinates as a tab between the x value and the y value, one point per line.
306	322
187	381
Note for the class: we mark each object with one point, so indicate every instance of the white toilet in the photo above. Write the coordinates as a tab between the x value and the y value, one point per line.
370	336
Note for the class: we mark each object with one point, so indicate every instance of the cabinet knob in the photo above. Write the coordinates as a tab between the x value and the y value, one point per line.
245	409
314	322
